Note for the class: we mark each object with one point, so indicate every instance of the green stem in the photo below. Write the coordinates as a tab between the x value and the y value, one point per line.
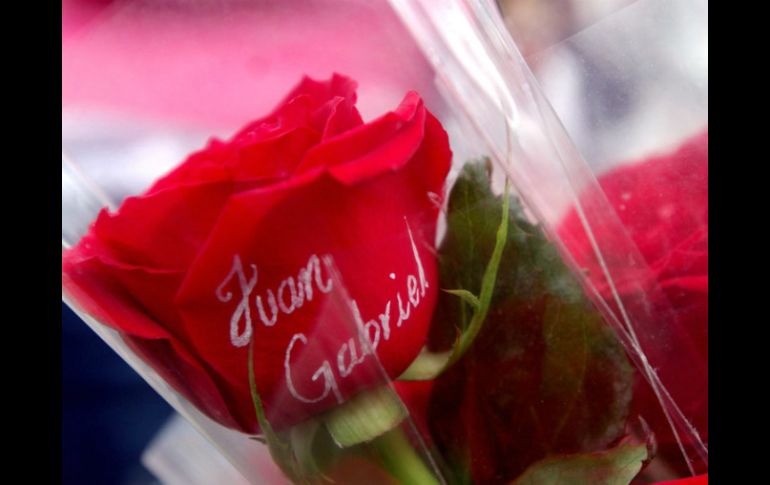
270	436
429	365
397	455
487	283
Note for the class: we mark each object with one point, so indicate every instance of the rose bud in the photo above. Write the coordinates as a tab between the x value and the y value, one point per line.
255	241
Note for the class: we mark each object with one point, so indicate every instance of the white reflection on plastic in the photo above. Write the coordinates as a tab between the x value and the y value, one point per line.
81	201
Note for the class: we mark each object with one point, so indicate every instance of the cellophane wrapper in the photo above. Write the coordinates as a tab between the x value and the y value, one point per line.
592	121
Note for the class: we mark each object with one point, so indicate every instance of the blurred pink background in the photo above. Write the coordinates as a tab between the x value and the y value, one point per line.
218	64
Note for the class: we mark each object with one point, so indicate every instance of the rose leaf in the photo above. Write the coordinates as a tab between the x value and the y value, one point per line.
616	466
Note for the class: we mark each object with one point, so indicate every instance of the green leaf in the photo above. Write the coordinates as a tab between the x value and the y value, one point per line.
545	374
617	466
581	351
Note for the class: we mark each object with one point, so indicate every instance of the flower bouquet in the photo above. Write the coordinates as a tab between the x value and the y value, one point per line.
374	307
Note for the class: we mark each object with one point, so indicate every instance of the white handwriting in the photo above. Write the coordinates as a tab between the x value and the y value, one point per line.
330	384
290	296
292	293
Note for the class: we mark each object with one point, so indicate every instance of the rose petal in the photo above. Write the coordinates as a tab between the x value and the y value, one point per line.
337	116
135	302
277	156
663	204
155	270
165	229
272	146
374	259
101	295
663	199
699	480
187	375
200	167
386	143
309	105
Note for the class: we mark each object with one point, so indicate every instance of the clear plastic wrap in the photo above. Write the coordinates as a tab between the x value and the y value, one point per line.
334	281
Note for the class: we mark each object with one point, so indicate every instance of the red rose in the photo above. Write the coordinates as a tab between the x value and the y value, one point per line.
699	480
662	202
240	243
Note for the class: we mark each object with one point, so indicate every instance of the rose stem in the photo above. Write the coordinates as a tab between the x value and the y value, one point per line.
395	453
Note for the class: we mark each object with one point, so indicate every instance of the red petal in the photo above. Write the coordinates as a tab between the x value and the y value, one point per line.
177	242
386	143
134	302
663	204
307	105
277	229
699	480
165	229
272	146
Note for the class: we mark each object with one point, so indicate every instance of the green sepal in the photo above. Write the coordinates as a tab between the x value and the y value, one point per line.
467	297
427	365
293	450
366	416
398	456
